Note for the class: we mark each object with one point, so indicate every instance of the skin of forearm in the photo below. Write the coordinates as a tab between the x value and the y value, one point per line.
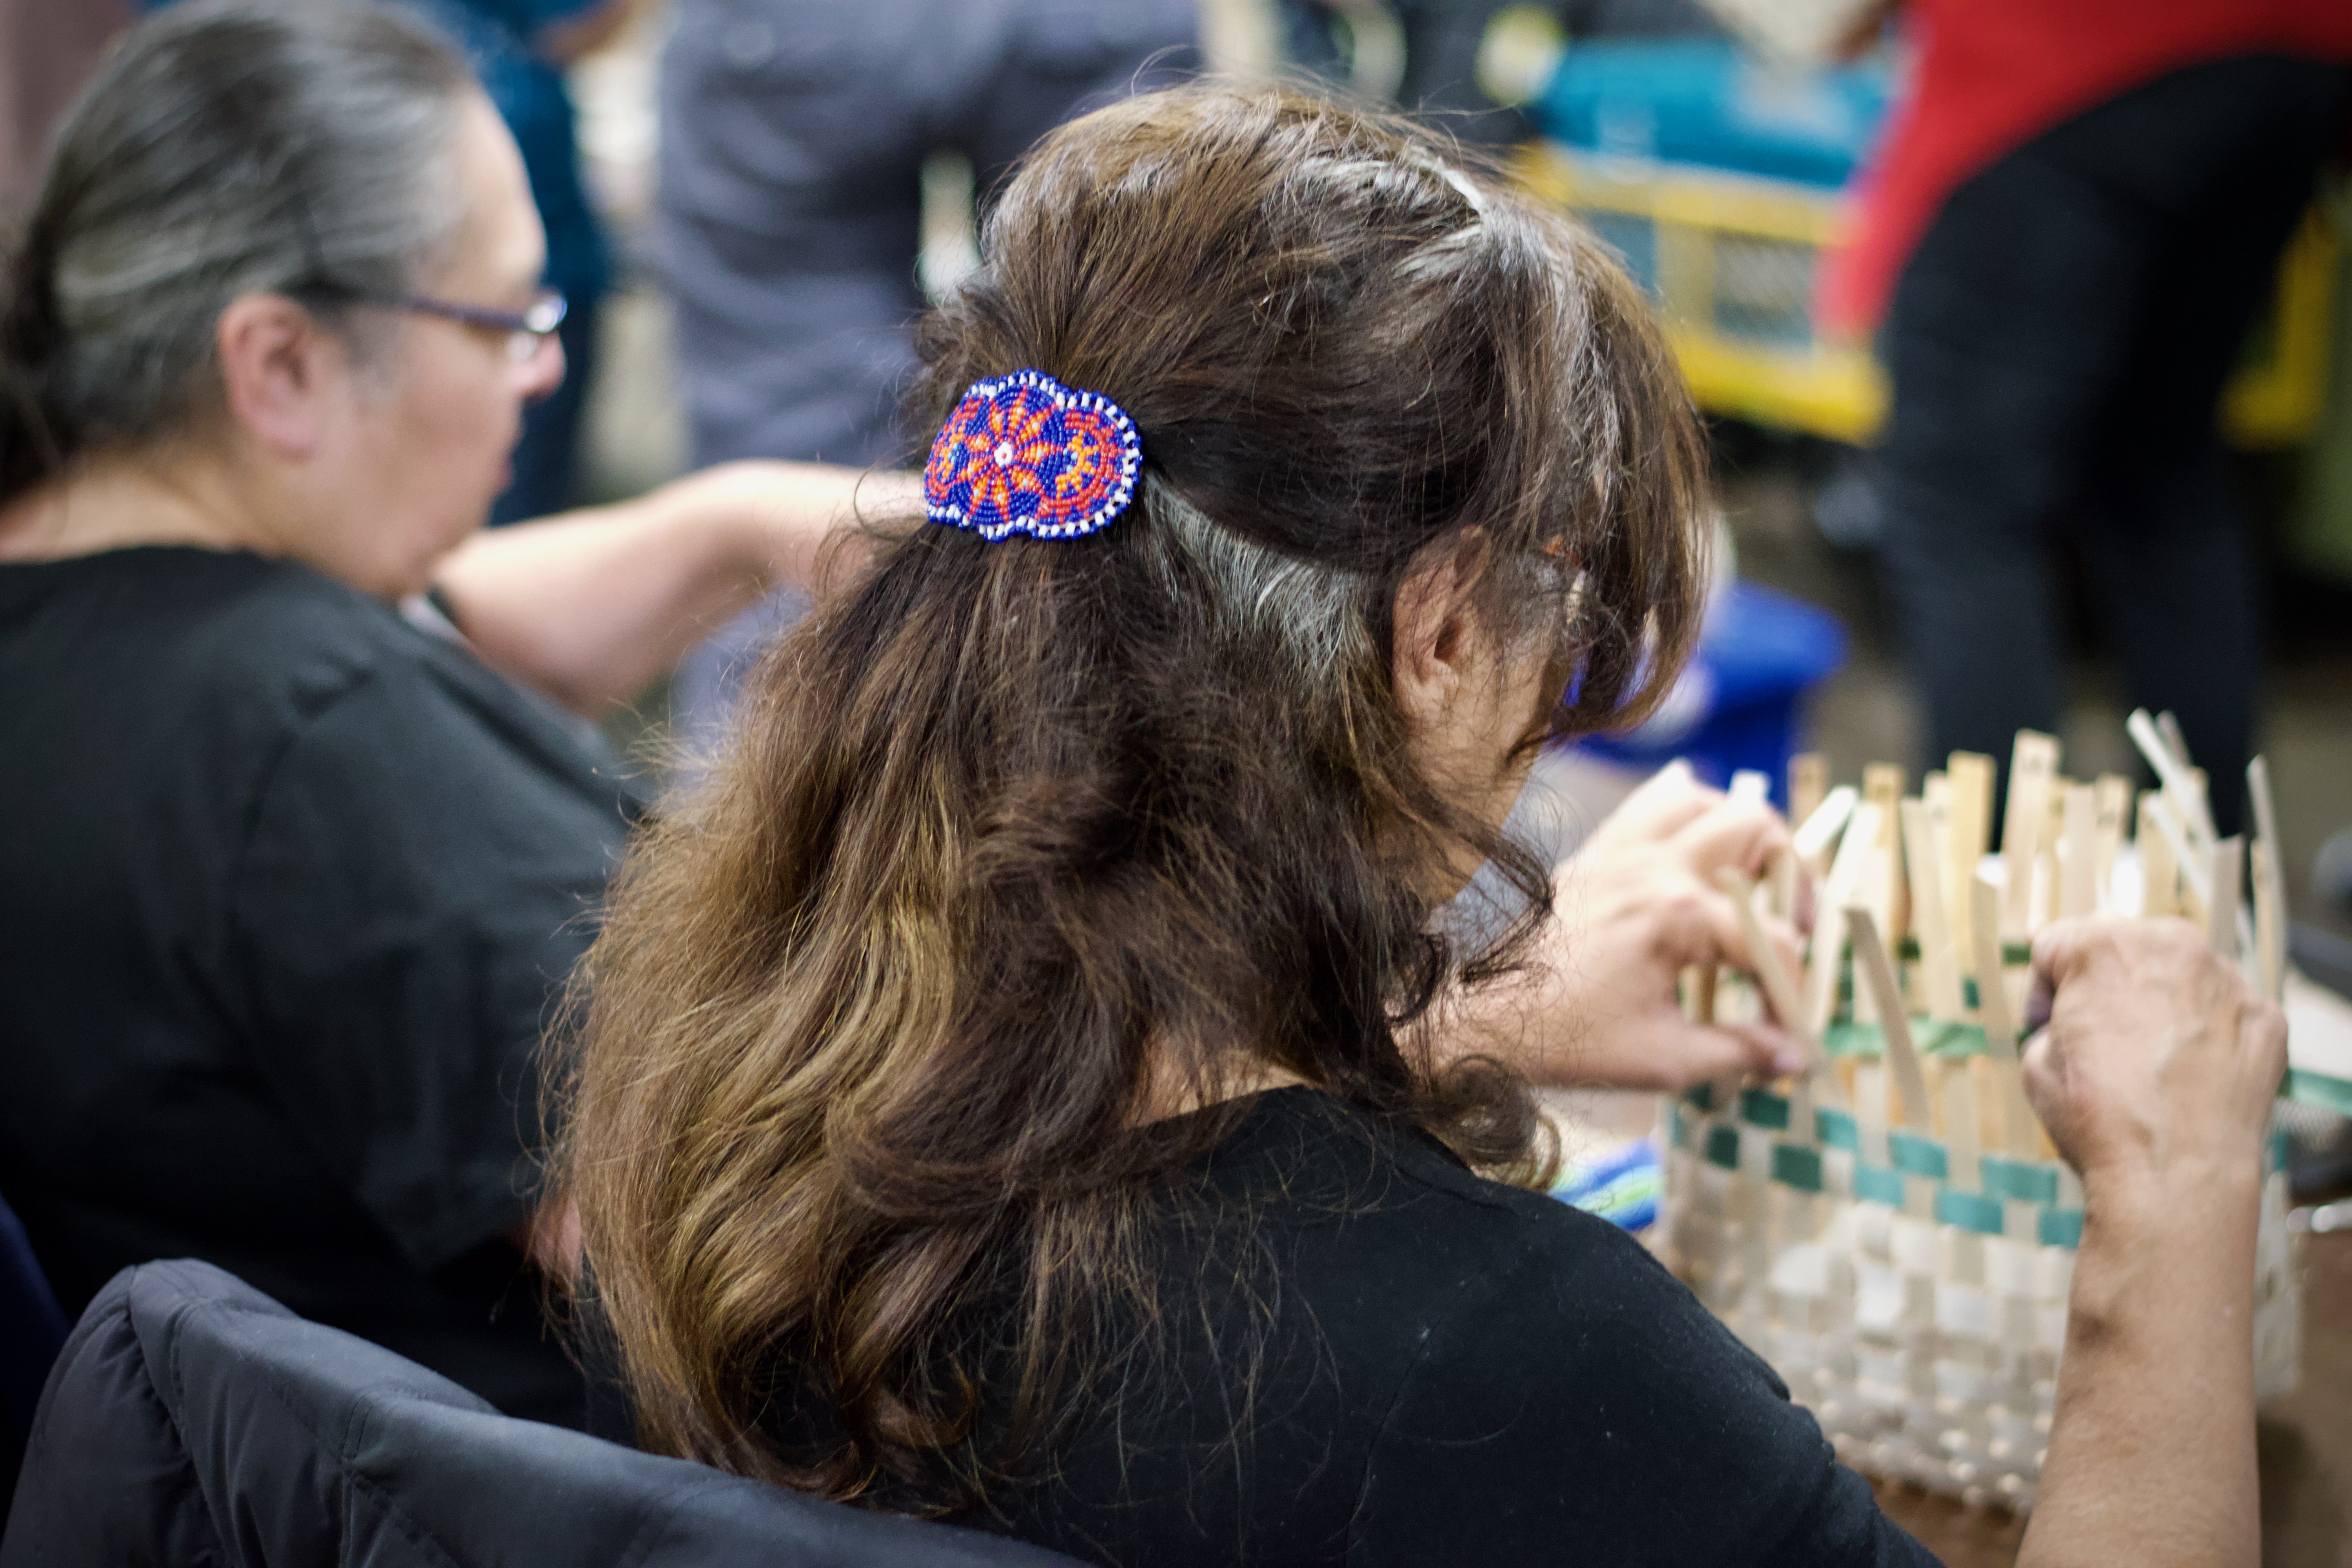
592	605
2151	1457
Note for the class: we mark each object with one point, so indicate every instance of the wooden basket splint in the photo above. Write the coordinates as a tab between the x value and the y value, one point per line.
1892	1231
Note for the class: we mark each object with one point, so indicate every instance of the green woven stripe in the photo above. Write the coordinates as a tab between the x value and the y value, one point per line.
1875	1183
2027	1183
1678	1130
1934	1037
1971	1211
1957	1039
1796	1165
2062	1227
2317	1088
2011	952
1723	1147
1838	1129
1763	1107
1920	1156
1701	1096
1851	1040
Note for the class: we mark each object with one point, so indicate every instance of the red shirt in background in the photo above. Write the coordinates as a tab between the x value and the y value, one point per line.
1992	74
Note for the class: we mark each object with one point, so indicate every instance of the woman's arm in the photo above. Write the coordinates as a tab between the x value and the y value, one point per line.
2156	1079
591	607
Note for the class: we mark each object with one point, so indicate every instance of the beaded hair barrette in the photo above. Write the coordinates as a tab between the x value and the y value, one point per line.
1025	453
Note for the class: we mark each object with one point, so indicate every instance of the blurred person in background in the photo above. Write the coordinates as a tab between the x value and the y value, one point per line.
2074	221
1444	44
518	50
794	134
47	48
292	878
1441	40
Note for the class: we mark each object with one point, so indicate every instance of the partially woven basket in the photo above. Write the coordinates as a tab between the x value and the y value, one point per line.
1892	1231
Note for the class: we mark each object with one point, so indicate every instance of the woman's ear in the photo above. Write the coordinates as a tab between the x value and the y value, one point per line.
280	374
1434	646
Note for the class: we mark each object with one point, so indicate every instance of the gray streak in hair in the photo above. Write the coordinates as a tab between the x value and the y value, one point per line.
1256	596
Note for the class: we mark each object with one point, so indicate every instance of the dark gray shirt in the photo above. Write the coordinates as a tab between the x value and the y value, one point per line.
288	888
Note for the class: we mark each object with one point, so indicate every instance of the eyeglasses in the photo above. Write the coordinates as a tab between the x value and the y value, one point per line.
525	330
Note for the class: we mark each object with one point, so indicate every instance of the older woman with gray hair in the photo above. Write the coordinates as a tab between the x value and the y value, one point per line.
292	878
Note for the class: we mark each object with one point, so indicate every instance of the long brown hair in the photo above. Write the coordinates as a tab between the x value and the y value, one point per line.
874	1027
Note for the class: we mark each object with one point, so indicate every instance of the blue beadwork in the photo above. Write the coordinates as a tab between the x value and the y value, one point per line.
1025	453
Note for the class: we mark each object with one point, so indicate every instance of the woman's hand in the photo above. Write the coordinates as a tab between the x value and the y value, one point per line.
1634	908
2156	1078
2159	1064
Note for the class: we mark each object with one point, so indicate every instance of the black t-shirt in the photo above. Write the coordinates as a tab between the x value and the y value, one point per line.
287	890
1449	1371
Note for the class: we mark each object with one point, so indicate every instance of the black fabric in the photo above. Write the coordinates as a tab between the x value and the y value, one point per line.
287	888
31	1329
1447	1371
192	1420
2057	344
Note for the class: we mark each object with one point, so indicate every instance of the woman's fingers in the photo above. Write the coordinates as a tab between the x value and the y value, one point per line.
1740	833
1772	1049
1696	924
1674	1053
1667	800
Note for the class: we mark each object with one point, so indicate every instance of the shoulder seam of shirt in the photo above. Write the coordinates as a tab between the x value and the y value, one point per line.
266	778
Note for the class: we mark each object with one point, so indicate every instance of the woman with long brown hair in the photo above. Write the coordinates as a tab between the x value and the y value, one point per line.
1032	1081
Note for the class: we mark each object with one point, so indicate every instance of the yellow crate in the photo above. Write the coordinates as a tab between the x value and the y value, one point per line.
1730	261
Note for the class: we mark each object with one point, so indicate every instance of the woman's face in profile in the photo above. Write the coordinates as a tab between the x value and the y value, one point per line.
1479	700
438	424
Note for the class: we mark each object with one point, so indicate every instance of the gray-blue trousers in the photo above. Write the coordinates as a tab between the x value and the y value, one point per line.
794	134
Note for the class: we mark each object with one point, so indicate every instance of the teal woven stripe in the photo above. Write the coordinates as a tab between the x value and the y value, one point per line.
1876	1184
1838	1129
1763	1107
1701	1096
1920	1156
1795	1165
2317	1088
1957	1039
1678	1130
2012	953
1935	1038
2027	1183
1851	1040
2062	1227
1969	1210
1723	1147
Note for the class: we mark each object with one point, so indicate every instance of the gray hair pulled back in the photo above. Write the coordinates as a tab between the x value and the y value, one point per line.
225	148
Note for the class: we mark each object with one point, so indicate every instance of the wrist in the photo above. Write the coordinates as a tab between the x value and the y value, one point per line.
2133	1192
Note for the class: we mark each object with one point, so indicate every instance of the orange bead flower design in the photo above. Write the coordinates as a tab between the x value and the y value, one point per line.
1025	453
